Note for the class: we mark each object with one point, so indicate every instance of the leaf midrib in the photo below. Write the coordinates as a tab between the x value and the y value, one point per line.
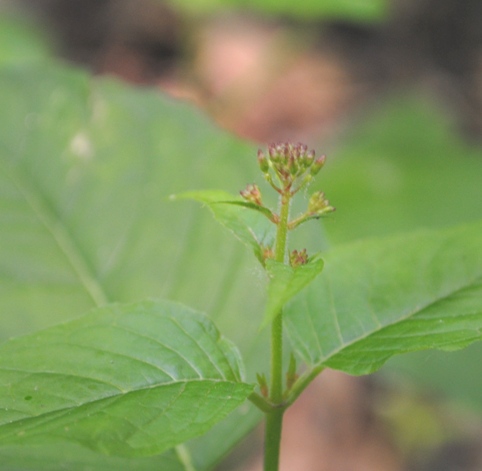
60	233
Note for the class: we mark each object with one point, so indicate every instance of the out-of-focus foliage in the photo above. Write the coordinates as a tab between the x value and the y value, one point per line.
402	167
86	168
456	376
21	41
360	10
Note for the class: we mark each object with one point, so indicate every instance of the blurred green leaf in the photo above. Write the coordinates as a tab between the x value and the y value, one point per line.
455	376
46	457
21	41
86	167
383	297
403	167
129	380
358	10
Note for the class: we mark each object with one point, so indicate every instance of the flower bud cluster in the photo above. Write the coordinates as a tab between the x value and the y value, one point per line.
292	164
252	194
319	205
298	258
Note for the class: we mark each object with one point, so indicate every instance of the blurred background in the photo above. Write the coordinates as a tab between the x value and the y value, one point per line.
273	69
319	71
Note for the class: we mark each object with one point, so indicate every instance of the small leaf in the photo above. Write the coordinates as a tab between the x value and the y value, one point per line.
250	227
285	282
382	297
132	380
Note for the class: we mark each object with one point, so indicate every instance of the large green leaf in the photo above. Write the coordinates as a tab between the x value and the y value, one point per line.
404	167
61	455
86	168
132	379
383	297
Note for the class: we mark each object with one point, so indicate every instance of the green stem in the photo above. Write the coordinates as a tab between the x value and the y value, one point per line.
184	457
272	437
261	402
282	232
274	418
276	389
274	421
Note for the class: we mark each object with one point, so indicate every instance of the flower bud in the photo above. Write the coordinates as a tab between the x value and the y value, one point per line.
263	161
318	204
252	194
293	165
267	253
298	258
310	158
318	164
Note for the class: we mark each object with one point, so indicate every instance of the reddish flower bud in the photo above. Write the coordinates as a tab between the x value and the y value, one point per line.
298	258
252	194
318	164
293	165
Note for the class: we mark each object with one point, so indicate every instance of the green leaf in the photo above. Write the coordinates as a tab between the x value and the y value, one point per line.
381	177
46	457
21	41
366	10
132	380
86	166
383	297
285	282
250	227
101	158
